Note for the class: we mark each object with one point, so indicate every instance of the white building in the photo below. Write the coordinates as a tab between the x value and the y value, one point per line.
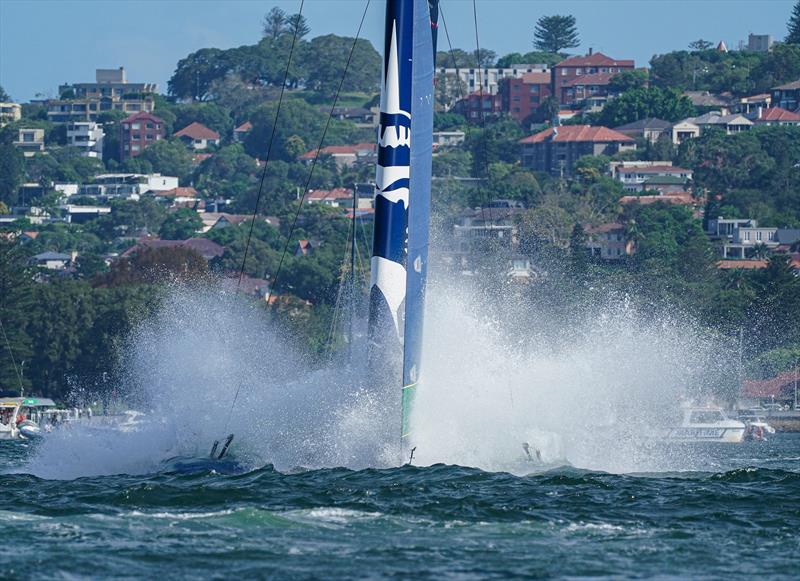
747	238
86	136
127	185
448	138
489	77
30	141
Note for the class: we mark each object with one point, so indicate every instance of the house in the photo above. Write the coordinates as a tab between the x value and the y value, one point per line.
219	220
28	236
241	132
787	96
780	388
87	136
10	112
137	132
636	177
30	141
730	124
570	70
197	136
333	198
478	107
522	96
177	196
359	115
203	246
706	100
555	150
256	287
54	260
74	214
749	106
747	238
498	224
608	241
448	138
111	91
127	186
345	155
650	129
487	79
776	116
723	227
586	92
683	130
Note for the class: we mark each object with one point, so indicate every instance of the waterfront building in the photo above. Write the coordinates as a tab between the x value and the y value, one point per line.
568	77
87	136
787	96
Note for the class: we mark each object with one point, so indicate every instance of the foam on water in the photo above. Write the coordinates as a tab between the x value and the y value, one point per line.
487	388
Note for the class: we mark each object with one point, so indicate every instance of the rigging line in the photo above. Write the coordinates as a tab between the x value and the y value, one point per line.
308	181
317	153
458	86
483	116
269	149
11	354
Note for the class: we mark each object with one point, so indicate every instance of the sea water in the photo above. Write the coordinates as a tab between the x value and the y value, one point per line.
314	492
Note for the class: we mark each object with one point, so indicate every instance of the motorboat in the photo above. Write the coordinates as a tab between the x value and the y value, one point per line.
757	426
19	416
707	424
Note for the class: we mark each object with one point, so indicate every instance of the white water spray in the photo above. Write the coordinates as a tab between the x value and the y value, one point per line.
486	390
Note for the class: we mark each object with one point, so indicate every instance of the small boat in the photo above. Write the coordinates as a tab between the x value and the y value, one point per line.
707	424
19	417
757	427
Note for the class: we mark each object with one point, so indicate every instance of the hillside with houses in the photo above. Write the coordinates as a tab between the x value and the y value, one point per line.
563	178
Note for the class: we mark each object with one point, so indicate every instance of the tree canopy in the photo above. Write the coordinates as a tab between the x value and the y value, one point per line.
555	33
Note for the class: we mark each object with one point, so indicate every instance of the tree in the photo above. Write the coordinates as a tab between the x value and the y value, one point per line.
297	26
325	61
194	74
152	265
16	288
168	158
700	44
274	23
793	36
485	57
12	172
627	80
555	33
536	57
642	103
4	97
181	224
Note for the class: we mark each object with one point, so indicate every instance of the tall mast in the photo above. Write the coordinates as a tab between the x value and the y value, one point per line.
402	202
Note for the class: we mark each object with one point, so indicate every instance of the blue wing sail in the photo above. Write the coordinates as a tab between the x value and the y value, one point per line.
402	200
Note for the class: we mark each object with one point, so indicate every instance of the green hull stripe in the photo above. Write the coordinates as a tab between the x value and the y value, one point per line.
408	402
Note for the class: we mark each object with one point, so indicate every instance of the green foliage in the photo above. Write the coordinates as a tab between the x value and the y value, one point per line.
448	121
209	114
456	58
4	97
17	300
530	58
156	265
12	173
170	158
555	33
753	171
452	162
627	80
740	72
180	225
793	26
642	103
129	218
326	58
496	142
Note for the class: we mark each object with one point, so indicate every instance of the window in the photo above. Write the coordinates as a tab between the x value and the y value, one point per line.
758	235
27	137
136	126
149	137
134	147
150	126
579	71
563	72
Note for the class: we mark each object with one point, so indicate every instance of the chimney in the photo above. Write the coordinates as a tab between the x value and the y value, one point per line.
590	51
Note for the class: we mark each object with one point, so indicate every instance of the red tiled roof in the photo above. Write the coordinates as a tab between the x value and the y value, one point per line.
597	59
536	78
197	130
578	133
778	114
334	194
745	264
774	387
179	192
678	199
244	127
142	115
593	79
